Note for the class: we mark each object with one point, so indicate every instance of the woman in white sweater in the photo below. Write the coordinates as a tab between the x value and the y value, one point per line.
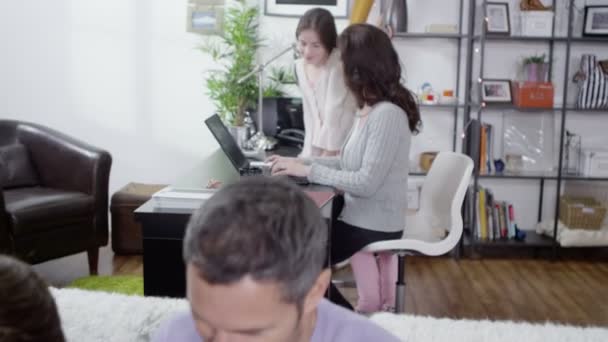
372	169
328	106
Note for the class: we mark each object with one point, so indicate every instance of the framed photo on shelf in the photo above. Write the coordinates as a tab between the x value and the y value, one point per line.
596	21
496	91
497	18
296	8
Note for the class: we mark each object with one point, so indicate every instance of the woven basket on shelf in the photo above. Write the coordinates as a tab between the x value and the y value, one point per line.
581	212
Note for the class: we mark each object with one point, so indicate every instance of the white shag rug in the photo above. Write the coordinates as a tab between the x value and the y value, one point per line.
89	316
427	329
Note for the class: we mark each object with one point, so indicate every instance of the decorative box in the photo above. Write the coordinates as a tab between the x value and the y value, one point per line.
537	23
533	94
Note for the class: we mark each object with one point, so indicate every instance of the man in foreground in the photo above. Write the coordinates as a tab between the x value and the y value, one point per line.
255	255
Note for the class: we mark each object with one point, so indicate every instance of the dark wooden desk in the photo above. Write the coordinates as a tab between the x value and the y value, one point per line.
163	228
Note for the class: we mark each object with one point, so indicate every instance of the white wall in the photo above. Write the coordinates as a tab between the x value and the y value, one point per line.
126	76
121	75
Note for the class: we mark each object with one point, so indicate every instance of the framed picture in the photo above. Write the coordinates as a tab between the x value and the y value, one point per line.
497	18
205	19
496	91
296	8
596	21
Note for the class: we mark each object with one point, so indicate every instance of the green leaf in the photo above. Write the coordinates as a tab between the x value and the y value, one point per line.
236	51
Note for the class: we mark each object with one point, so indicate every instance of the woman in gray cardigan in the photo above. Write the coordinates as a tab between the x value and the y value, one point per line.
372	169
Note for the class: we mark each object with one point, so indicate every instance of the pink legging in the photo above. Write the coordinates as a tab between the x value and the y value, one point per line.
375	277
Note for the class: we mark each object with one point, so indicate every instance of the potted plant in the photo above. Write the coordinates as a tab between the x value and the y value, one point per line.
536	68
235	52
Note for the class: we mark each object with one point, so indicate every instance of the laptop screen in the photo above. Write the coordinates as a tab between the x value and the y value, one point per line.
226	141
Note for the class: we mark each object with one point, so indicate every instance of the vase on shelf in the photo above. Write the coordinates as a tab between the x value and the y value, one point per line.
537	72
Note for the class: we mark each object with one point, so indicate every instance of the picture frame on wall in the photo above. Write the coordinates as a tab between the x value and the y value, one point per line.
595	23
496	91
205	19
497	18
296	8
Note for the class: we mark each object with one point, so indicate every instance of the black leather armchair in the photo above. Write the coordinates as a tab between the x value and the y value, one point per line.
54	194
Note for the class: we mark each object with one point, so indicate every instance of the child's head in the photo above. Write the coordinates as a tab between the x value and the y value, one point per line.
316	35
27	309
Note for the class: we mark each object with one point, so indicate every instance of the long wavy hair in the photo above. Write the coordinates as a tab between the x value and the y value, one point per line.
372	70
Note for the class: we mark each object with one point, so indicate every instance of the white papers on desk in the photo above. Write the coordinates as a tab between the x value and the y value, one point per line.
181	198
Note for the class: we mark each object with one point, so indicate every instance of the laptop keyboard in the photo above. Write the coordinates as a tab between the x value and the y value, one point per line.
256	171
251	171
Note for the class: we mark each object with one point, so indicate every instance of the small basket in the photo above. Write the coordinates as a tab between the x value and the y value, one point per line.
426	160
581	212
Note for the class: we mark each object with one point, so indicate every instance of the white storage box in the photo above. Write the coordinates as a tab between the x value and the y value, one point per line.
595	163
537	23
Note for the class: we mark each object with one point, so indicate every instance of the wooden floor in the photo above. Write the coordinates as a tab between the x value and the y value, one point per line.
573	292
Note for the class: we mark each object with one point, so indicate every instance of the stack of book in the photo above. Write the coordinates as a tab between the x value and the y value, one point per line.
181	198
495	219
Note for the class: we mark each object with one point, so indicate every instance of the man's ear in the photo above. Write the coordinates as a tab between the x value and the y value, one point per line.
317	291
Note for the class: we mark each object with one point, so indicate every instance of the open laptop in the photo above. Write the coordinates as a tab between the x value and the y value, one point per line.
237	158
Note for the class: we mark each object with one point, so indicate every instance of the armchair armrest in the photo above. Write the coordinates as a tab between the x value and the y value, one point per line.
6	242
66	163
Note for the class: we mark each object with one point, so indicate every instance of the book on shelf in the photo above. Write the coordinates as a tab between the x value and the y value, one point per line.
472	138
495	219
480	145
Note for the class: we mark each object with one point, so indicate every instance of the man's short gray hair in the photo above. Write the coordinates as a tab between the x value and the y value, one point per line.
261	227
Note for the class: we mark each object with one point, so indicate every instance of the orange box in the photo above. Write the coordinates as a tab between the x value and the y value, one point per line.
533	94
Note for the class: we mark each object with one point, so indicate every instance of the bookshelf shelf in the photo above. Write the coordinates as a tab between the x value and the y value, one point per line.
491	107
580	110
533	239
602	40
430	35
496	37
585	178
448	106
529	175
538	176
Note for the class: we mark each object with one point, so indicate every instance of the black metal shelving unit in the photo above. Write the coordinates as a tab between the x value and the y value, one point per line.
460	37
533	239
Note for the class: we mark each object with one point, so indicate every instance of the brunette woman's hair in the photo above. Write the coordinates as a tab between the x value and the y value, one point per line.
322	22
372	70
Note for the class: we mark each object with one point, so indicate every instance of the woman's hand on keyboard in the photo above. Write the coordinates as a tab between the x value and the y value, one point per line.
290	167
275	159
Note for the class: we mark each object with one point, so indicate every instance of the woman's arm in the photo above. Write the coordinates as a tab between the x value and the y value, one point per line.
332	162
386	131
